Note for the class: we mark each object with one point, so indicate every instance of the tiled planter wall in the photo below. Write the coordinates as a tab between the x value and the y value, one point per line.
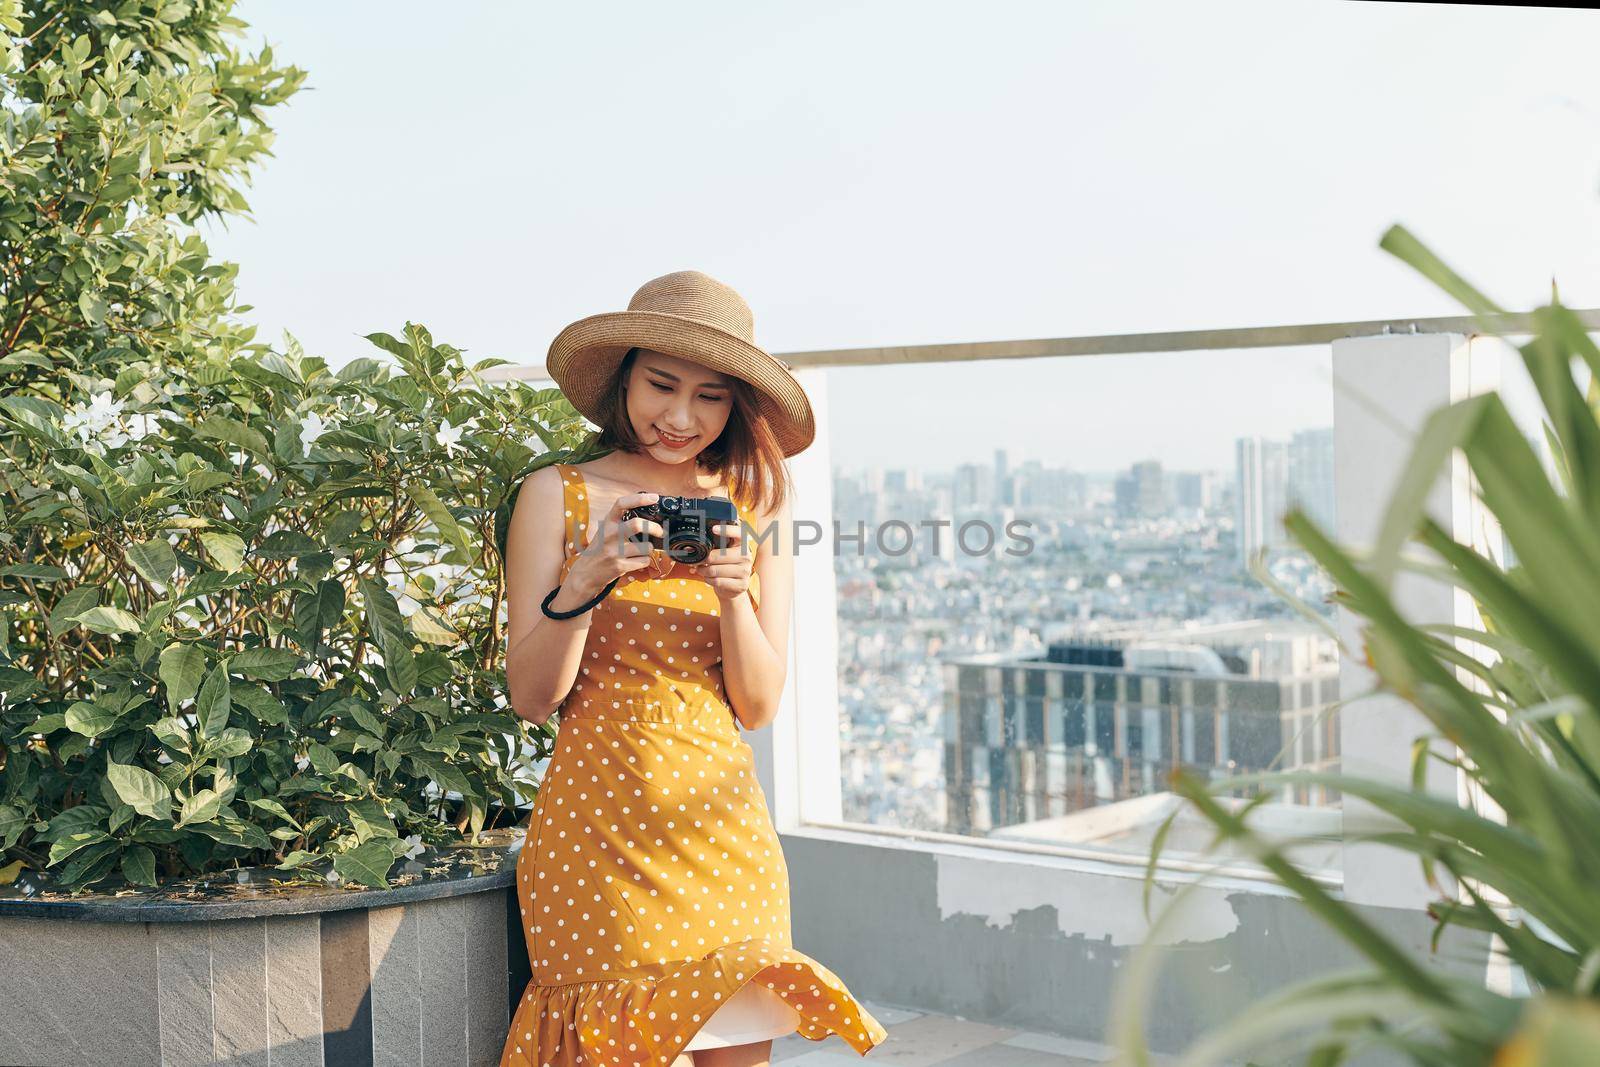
415	975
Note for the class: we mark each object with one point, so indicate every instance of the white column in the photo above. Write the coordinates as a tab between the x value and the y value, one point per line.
1384	388
797	757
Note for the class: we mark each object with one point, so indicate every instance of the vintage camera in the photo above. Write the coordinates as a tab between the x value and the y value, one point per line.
686	522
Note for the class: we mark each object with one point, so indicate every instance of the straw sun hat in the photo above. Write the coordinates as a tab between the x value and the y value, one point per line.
695	317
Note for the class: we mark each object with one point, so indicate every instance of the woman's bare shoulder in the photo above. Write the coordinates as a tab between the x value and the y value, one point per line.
538	502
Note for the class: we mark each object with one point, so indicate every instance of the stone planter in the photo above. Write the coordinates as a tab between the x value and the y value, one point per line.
242	972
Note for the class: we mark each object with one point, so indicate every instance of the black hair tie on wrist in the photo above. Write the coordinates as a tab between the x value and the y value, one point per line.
553	614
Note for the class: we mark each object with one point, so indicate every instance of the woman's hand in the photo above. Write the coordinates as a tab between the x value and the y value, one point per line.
727	569
610	553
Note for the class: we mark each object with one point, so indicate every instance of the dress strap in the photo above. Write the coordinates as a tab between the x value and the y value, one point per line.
575	497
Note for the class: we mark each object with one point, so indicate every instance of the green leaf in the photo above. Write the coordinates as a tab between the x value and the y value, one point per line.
108	620
440	516
383	613
139	865
229	744
201	807
265	664
225	549
154	560
90	720
260	703
364	717
286	544
364	368
367	863
12	823
172	732
72	603
38	572
445	774
93	306
67	844
182	667
140	790
400	667
237	433
324	760
370	820
318	611
429	626
276	808
213	705
1399	242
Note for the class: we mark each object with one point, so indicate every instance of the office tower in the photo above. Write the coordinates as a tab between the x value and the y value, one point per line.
1105	718
974	487
1311	474
1140	493
1195	490
1261	493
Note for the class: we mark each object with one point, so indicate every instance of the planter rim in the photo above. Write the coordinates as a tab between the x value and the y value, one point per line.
165	904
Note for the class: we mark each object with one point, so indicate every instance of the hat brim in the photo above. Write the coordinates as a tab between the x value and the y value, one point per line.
584	358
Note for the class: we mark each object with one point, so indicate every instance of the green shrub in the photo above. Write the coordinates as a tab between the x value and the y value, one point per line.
251	610
253	613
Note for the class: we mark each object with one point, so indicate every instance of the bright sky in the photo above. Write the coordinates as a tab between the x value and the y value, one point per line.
907	173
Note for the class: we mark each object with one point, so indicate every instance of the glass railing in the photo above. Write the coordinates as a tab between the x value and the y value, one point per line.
1088	621
1057	581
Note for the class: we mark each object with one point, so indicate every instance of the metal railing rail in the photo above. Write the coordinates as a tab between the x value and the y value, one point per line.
1127	344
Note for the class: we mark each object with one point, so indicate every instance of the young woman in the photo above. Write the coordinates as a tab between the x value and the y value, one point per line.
653	889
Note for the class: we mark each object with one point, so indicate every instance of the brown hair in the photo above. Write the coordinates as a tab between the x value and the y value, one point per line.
746	455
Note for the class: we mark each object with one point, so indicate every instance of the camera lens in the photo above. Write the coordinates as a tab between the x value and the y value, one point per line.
689	550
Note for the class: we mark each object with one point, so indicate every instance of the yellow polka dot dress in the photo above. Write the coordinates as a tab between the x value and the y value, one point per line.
651	882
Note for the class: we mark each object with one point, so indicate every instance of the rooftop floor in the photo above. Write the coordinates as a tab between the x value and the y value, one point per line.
918	1038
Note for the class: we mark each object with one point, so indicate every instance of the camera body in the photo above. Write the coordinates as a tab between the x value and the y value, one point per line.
686	522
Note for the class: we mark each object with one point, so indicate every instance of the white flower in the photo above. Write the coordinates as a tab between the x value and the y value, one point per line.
450	436
103	410
536	445
310	430
162	757
301	763
416	846
96	424
334	877
142	425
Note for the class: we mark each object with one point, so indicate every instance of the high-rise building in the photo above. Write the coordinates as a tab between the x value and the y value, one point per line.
974	487
1194	490
1141	492
1311	474
1261	495
1104	719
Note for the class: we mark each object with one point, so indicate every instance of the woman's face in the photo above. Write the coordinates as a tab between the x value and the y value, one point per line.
677	407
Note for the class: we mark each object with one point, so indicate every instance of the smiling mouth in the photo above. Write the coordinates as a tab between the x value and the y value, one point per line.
668	439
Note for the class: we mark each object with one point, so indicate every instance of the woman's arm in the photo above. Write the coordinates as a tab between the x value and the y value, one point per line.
543	654
755	641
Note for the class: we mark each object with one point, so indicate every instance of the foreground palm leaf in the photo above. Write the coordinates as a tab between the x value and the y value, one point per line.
1520	718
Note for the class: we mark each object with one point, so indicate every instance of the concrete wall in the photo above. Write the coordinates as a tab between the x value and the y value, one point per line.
1016	942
